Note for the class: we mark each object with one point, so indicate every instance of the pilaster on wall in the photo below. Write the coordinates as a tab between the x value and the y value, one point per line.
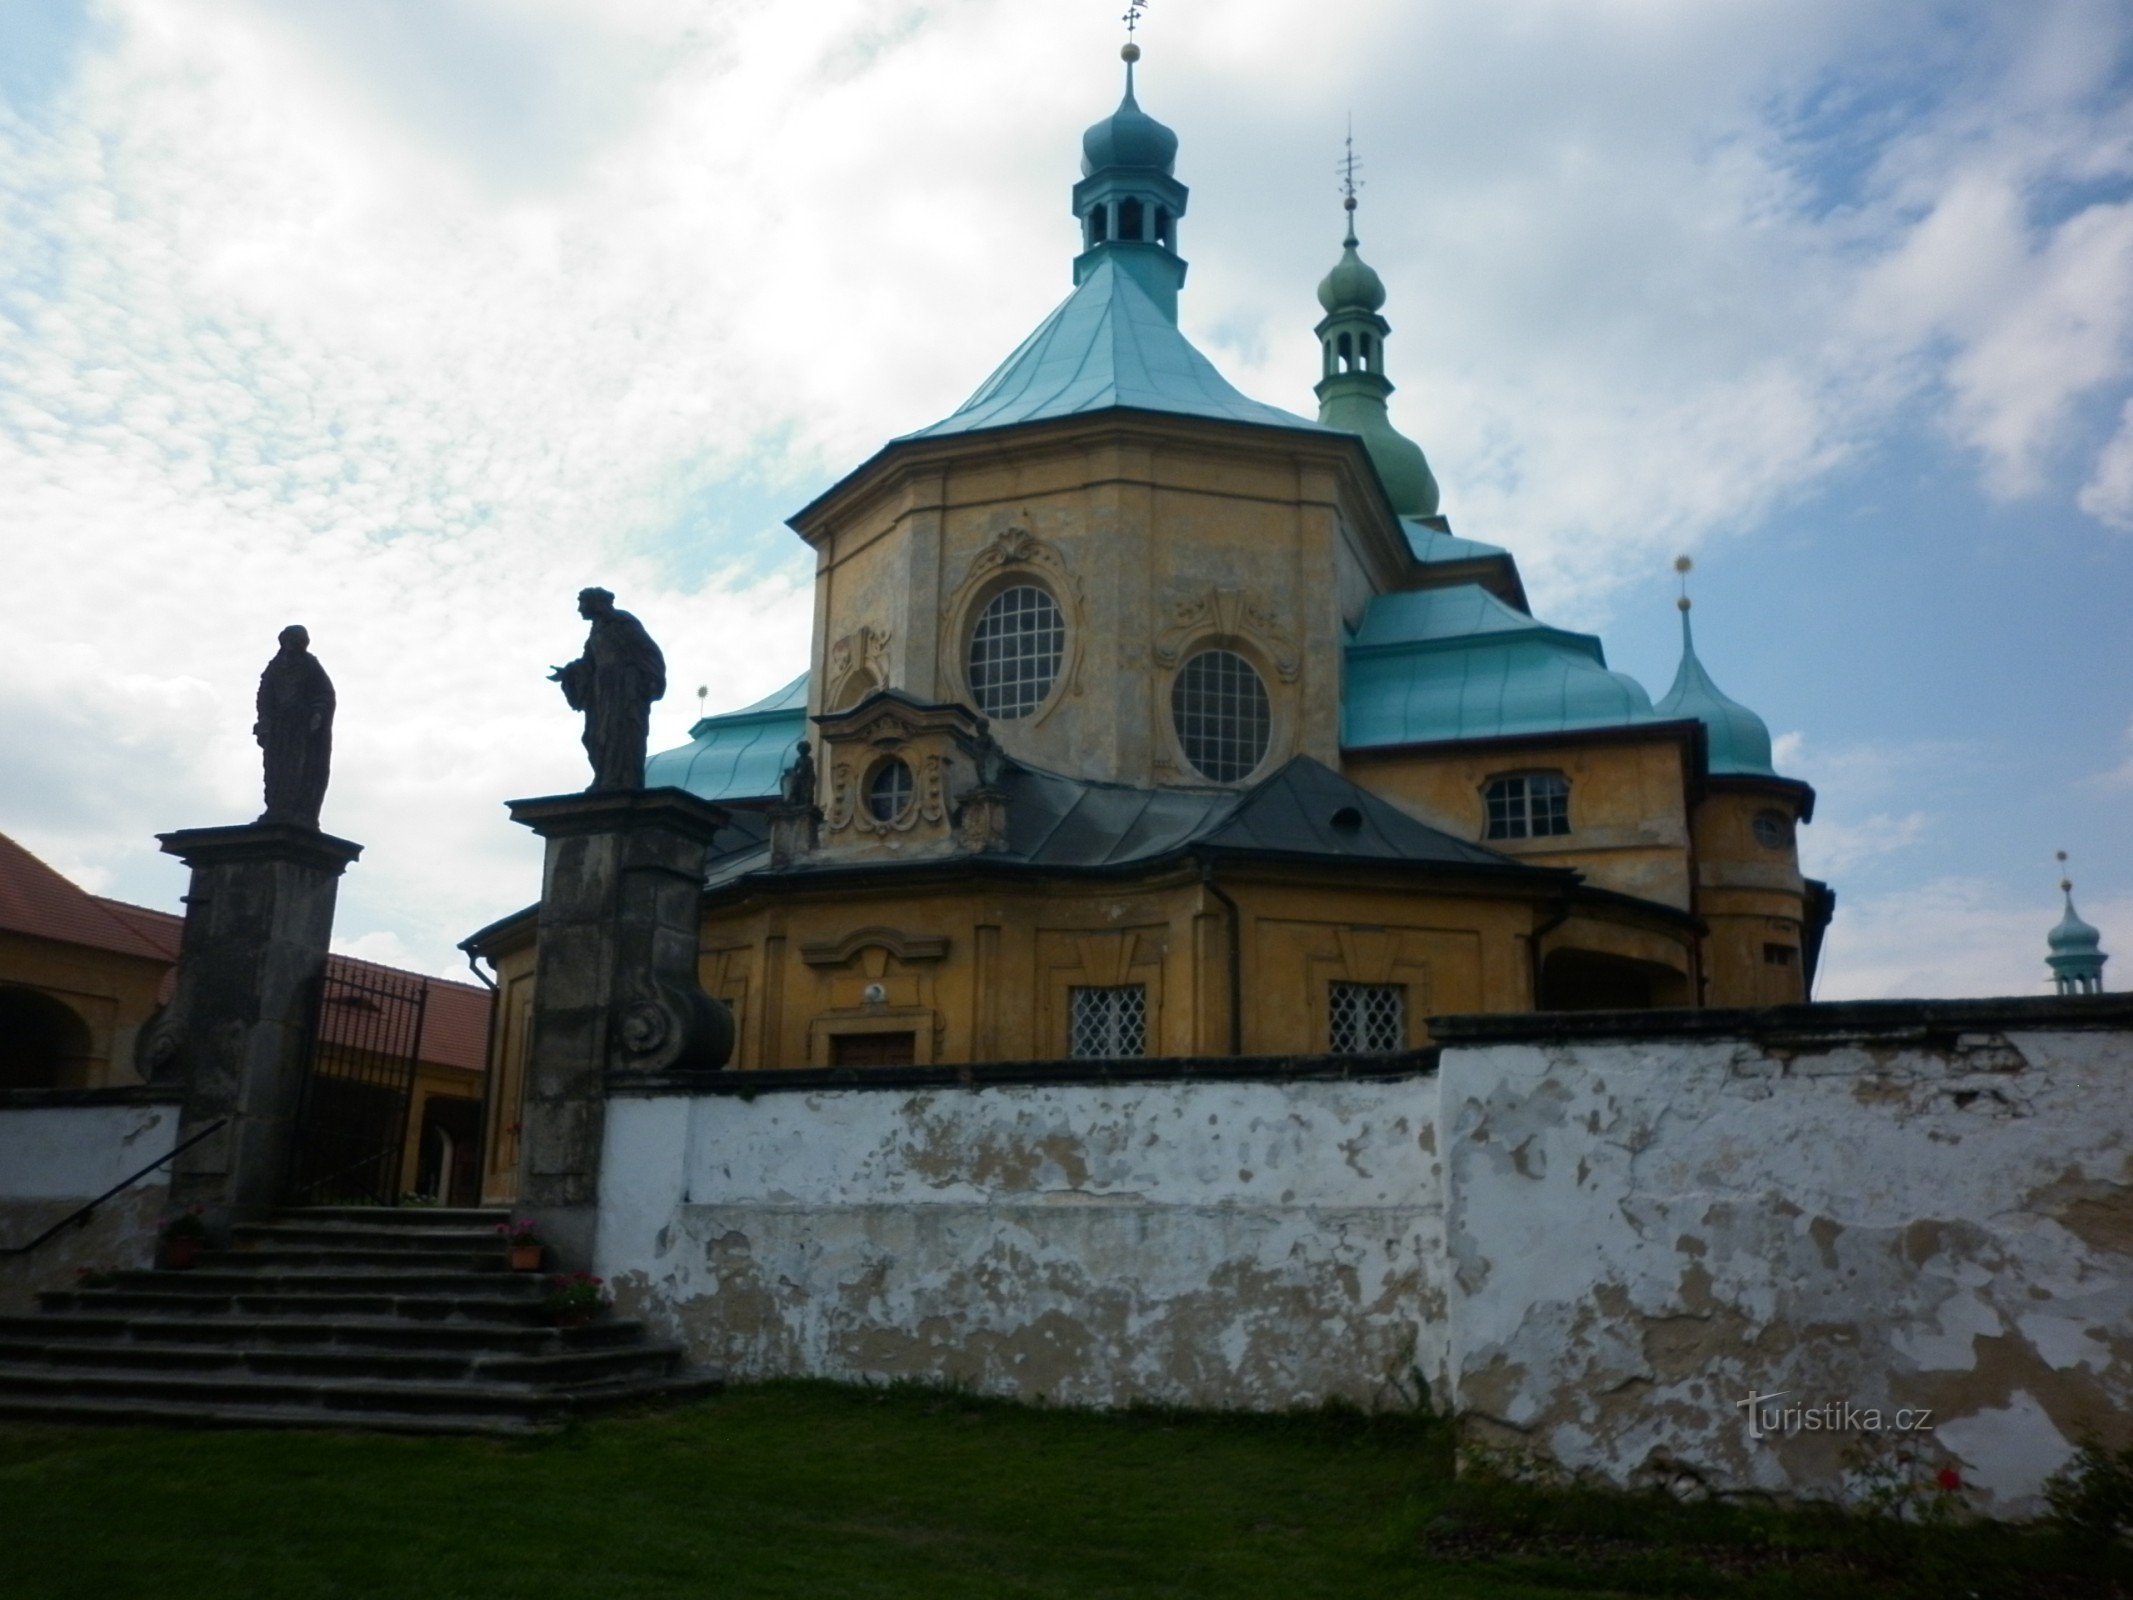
615	983
258	918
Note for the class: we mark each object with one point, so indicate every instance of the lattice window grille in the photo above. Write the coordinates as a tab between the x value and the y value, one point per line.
1107	1023
1223	717
1015	651
1368	1018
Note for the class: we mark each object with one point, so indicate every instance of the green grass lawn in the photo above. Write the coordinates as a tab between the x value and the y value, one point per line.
811	1490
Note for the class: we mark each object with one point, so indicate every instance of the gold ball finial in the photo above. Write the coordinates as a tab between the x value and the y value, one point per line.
1129	52
1682	563
1682	604
2066	885
2058	855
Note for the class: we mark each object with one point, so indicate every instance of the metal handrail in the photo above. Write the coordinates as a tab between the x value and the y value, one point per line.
81	1216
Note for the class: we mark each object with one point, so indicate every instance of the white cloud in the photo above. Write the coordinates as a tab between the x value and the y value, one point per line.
1951	936
408	331
2108	495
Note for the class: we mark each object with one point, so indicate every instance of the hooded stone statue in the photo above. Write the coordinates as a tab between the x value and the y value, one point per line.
295	731
614	683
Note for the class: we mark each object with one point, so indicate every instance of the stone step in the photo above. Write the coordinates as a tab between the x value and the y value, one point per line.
572	1369
355	1236
395	1216
345	1399
265	1299
280	1258
366	1332
333	1280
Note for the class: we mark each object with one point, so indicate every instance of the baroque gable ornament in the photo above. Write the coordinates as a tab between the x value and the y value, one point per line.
1015	550
1229	614
858	660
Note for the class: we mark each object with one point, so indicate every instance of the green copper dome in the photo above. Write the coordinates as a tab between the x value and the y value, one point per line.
1128	139
1353	391
1739	740
2073	936
2077	957
1353	285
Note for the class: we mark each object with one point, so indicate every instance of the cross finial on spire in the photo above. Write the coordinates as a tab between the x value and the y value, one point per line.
1349	167
1132	18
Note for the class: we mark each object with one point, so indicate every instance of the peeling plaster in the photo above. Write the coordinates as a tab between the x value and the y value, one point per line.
1889	1224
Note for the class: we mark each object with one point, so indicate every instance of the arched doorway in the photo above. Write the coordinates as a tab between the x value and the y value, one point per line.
44	1044
1592	980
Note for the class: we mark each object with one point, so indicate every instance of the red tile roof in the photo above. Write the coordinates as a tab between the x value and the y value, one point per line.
37	901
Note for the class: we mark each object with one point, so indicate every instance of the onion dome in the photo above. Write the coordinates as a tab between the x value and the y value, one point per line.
1738	739
2077	956
1353	285
1128	202
1353	387
1128	139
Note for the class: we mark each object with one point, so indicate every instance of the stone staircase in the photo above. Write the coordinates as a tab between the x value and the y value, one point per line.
407	1320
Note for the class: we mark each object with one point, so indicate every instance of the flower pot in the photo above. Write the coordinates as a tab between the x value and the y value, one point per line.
525	1258
181	1254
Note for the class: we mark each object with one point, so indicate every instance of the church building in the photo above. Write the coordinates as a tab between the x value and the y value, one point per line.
1144	718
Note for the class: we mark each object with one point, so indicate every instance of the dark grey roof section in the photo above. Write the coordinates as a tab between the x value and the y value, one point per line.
1308	809
1304	812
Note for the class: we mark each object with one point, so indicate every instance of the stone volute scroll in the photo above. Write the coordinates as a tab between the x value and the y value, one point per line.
614	684
294	729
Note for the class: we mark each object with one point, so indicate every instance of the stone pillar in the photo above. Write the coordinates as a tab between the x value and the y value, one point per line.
235	1036
615	984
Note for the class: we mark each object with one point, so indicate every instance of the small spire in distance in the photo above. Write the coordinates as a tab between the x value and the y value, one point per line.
1348	169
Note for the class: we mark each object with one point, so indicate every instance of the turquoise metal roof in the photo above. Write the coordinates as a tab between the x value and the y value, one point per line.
1739	739
1457	663
1108	345
737	755
1432	545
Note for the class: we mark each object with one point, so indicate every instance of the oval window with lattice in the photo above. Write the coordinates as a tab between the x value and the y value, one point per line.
1224	720
1015	651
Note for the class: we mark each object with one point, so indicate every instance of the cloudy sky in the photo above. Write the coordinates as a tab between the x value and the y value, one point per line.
406	318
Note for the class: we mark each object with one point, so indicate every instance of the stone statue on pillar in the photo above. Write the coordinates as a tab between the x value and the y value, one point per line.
614	683
295	731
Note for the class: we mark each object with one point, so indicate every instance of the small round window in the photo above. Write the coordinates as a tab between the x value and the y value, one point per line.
1773	829
1015	651
889	790
1221	712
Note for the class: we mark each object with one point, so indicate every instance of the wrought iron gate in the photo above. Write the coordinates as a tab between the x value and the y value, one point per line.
351	1126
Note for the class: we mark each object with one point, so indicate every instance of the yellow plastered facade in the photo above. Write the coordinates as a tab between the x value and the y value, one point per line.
1157	537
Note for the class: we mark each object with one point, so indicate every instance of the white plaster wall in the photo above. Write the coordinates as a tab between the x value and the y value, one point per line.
1643	1233
77	1152
52	1158
1212	1244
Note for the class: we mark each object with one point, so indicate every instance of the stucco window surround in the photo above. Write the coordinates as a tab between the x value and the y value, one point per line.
1015	559
1221	714
890	789
1244	624
1016	646
1525	805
